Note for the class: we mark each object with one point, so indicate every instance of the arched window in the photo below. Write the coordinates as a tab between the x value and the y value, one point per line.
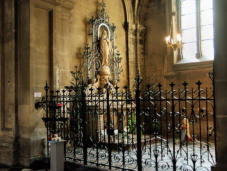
196	25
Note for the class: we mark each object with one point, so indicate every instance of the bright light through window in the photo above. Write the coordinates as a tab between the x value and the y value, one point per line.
197	29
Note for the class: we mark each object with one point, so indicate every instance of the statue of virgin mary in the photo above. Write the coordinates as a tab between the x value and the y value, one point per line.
104	47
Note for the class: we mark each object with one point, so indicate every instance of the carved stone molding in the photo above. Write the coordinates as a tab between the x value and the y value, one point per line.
52	2
68	4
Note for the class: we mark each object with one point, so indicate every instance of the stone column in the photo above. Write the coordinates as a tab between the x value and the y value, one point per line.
136	51
61	64
132	55
140	49
7	84
23	82
220	68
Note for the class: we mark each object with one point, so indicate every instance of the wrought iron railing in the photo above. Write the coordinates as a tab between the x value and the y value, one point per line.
160	129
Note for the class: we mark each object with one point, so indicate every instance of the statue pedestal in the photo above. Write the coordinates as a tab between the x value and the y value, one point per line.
97	120
57	155
95	123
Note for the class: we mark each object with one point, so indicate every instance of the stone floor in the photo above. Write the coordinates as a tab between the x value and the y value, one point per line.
202	154
69	166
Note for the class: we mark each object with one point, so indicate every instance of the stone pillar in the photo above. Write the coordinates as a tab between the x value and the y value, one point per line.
140	49
7	84
36	44
23	85
220	69
132	55
136	51
61	65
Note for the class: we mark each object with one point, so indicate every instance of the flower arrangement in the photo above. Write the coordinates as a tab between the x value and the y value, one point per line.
55	137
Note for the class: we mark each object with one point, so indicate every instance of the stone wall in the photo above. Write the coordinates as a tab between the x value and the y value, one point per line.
69	37
74	36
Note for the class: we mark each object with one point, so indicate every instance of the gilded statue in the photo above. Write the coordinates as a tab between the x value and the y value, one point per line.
103	77
104	47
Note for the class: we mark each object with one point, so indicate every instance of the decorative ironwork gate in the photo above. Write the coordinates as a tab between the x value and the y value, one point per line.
172	129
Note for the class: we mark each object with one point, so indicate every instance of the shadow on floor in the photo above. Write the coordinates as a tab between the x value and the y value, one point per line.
44	165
